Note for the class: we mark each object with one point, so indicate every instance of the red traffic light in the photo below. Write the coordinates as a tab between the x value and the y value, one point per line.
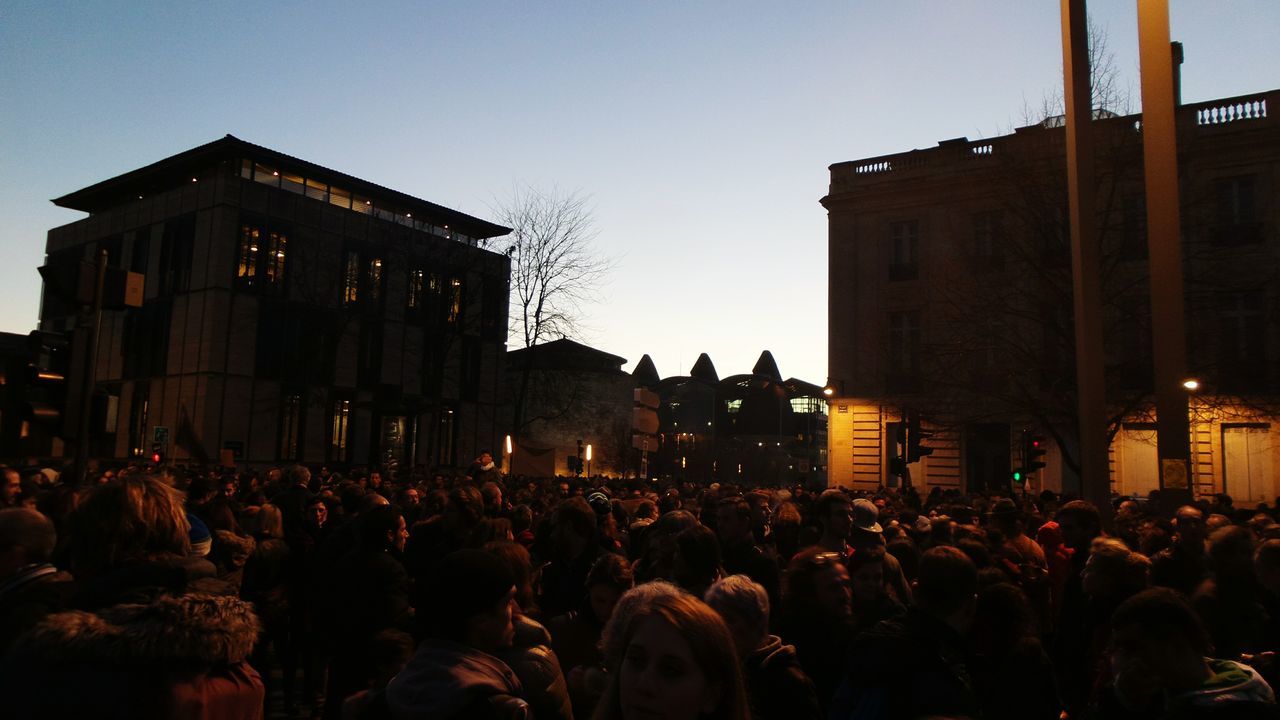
155	458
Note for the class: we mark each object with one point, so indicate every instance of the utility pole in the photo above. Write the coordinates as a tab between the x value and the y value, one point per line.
1164	249
1095	476
81	470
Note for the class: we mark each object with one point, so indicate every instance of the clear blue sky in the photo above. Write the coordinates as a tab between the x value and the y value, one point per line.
702	131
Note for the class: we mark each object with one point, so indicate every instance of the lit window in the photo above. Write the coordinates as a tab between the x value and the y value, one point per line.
247	264
273	261
338	430
455	300
415	289
351	280
375	279
339	197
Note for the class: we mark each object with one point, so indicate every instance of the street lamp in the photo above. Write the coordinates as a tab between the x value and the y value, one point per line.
1191	384
588	459
507	446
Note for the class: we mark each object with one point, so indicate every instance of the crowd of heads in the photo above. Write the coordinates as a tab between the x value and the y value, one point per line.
618	598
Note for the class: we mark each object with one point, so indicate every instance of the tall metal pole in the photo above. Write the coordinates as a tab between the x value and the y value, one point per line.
81	469
1164	246
1095	477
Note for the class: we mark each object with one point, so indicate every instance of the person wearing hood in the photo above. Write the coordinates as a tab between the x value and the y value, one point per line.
145	642
30	586
1161	670
455	672
776	686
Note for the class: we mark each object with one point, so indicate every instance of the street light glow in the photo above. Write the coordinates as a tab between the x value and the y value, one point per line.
1191	384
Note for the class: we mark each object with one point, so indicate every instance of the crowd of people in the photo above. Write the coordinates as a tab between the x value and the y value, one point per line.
210	594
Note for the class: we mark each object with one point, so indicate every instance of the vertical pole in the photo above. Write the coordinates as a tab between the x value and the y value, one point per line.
1160	163
81	470
1095	478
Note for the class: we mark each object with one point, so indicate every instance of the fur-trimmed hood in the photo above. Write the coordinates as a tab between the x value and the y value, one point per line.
173	631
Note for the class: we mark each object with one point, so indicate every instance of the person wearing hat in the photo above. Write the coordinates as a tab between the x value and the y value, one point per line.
1020	549
455	672
866	534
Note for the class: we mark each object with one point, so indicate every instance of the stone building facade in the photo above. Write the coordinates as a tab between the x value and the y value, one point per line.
950	300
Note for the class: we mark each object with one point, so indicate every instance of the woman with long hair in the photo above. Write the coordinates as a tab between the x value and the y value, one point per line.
672	657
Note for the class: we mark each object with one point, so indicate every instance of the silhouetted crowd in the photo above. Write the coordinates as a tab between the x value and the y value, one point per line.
199	594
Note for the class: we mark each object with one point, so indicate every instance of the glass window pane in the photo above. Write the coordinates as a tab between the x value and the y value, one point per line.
317	190
339	197
292	183
361	204
266	175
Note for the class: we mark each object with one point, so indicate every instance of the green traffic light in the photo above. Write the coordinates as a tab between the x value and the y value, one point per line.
1017	477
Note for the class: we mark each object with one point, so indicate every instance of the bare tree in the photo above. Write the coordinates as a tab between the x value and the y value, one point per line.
1111	95
554	270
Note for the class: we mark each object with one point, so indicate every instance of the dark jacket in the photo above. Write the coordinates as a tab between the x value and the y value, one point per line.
447	680
173	657
538	669
29	595
776	686
909	667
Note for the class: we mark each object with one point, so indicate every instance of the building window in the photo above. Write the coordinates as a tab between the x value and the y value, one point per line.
1242	342
988	239
140	255
1237	218
416	283
290	426
374	280
339	427
260	259
351	279
446	455
904	349
904	247
176	246
273	262
247	263
454	311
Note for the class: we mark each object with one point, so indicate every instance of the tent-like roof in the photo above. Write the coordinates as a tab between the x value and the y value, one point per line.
646	374
704	370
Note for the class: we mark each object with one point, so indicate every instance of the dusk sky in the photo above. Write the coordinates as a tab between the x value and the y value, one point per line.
701	131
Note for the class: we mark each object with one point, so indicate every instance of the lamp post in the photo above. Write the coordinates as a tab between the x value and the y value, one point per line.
508	451
588	459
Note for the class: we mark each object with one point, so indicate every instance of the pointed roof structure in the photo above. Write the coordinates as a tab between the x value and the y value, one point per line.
766	367
704	370
646	374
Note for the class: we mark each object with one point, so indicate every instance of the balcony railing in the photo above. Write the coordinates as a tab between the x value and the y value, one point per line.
1230	110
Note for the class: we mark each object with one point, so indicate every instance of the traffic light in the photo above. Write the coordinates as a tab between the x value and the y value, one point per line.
915	439
157	454
1019	477
1033	456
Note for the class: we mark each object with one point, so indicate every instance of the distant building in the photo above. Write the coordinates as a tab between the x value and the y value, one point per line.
576	396
752	429
291	313
33	390
950	301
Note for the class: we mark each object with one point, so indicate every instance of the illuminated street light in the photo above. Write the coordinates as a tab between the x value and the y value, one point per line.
1191	384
